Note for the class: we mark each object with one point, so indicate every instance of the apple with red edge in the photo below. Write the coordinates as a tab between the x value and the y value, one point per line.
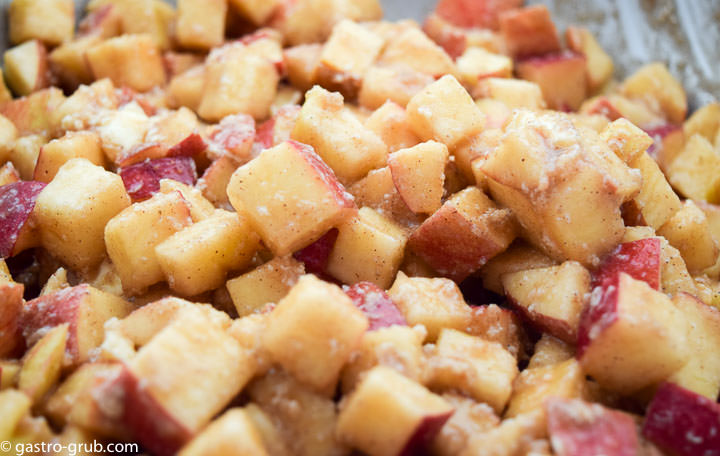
669	141
17	201
562	77
602	106
683	422
316	255
640	259
377	306
580	428
142	180
192	146
448	36
475	13
234	135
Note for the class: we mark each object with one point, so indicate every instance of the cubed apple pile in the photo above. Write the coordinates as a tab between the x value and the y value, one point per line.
290	227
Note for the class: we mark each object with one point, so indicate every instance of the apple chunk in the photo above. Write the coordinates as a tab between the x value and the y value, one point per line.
473	13
17	231
290	196
561	77
26	68
232	433
142	179
377	306
385	396
640	259
552	298
58	151
529	31
578	428
628	313
419	174
43	364
683	422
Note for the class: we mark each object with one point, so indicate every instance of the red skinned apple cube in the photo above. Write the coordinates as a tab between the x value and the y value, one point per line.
683	422
529	31
385	396
377	306
562	78
640	259
315	256
26	68
599	65
475	13
463	234
419	175
579	428
234	136
17	230
290	196
142	180
628	313
131	60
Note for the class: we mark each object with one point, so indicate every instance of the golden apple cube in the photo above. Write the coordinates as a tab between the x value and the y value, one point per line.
626	140
290	197
515	93
268	283
214	181
42	364
654	83
391	124
552	298
692	171
301	64
397	83
565	186
232	433
74	208
130	60
348	147
200	208
414	49
50	21
689	232
419	174
25	152
434	303
474	366
8	135
313	330
598	62
58	151
550	350
257	11
518	257
186	89
200	24
8	174
26	68
477	63
385	396
369	247
657	202
705	121
197	258
445	112
132	235
346	56
68	61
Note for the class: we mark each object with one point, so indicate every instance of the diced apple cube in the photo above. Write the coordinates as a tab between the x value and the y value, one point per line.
200	208
13	405
518	257
599	65
186	89
68	62
42	364
514	93
301	63
200	24
257	11
290	196
445	112
196	258
314	356
654	83
688	231
390	123
130	60
419	174
435	303
624	313
640	259
84	308
472	13
17	223
24	154
58	151
377	306
232	433
470	418
26	68
626	140
50	21
552	298
501	325
234	136
529	31
122	130
397	83
412	48
705	122
463	234
562	78
385	396
315	257
477	63
74	208
656	203
369	247
691	171
550	350
349	148
142	180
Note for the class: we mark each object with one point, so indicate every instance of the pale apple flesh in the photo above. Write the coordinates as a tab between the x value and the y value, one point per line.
17	201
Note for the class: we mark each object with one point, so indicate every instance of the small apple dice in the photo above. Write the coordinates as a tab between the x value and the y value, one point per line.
58	151
11	295
513	93
257	11
484	370
552	298
691	172
346	56
348	147
301	63
142	180
471	13
14	405
578	428
628	313
390	123
232	433
518	257
84	308
377	306
470	418
313	331
17	224
186	89
396	83
68	62
24	154
434	303
419	174
132	235
640	259
385	396
550	350
74	208
369	247
444	112
656	203
169	396
197	258
415	50
654	83
599	65
688	231
562	78
498	324
529	31
200	24
683	422
463	234
704	121
477	63
128	60
200	208
266	284
50	21
315	257
290	196
42	364
26	68
565	186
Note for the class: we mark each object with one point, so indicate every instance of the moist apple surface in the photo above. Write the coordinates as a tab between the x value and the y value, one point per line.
290	227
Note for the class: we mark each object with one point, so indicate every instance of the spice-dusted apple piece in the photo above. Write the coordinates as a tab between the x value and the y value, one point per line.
131	60
26	68
290	196
11	294
377	306
688	231
599	65
50	21
8	174
413	49
72	145
42	364
419	174
257	11
142	180
385	396
529	31
691	172
640	259
232	433
17	224
654	82
200	24
562	77
68	63
473	13
390	123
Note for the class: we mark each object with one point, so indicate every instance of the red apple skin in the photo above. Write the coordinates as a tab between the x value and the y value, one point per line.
147	420
544	323
573	433
639	259
446	35
142	180
234	135
421	440
343	198
683	422
475	13
191	146
264	135
561	76
604	107
658	135
599	315
377	306
315	256
140	153
17	201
